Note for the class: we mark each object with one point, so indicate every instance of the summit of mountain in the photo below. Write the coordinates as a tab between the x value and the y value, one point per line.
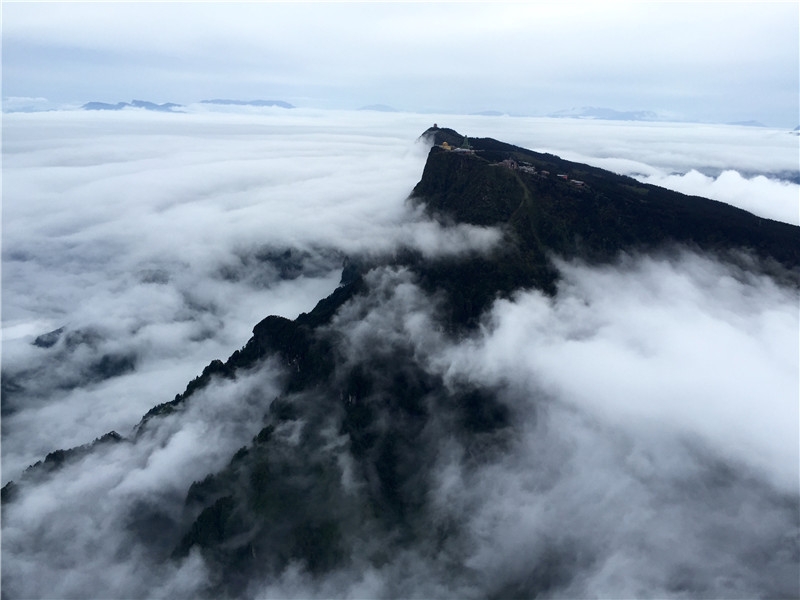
576	210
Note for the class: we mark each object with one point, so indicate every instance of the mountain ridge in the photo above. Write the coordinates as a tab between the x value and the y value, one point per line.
144	104
448	192
262	512
585	187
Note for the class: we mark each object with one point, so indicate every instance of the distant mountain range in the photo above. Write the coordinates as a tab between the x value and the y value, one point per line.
173	107
166	107
583	112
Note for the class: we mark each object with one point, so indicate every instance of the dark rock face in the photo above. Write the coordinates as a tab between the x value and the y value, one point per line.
577	210
49	339
281	499
56	459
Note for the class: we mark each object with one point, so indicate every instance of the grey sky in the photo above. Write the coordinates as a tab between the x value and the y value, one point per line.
694	61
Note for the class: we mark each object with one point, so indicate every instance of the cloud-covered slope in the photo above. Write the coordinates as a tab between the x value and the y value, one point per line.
552	390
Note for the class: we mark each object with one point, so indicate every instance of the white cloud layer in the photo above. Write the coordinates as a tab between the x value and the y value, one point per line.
659	346
777	200
164	235
654	445
655	400
147	228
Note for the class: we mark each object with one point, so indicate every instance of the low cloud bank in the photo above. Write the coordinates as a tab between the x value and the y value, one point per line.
670	345
91	528
156	242
649	449
645	437
777	200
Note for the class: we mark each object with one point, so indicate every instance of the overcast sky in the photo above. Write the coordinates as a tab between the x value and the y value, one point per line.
718	62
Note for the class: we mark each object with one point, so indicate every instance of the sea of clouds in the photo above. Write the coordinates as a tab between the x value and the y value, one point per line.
154	242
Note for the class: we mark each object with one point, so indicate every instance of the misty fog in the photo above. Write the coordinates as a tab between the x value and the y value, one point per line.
654	402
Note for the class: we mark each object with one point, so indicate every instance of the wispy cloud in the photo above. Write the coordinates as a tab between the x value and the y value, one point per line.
166	239
650	445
